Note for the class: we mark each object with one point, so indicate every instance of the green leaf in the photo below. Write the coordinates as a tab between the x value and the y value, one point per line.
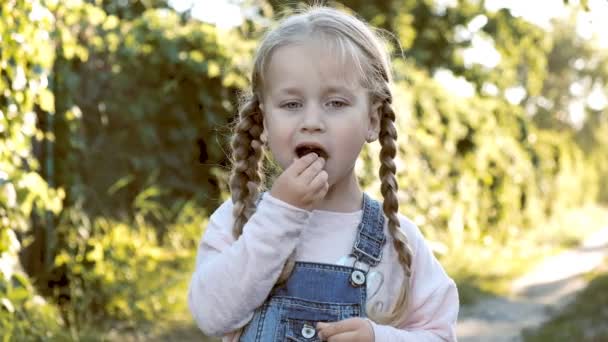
121	183
7	304
46	100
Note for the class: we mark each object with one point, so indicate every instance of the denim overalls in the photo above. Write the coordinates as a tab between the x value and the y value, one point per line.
317	292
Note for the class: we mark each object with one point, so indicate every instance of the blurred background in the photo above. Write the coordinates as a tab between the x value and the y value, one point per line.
114	125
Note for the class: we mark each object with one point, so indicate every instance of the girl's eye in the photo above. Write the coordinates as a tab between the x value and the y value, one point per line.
337	104
291	105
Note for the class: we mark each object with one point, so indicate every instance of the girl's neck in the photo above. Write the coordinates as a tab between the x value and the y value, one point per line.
344	196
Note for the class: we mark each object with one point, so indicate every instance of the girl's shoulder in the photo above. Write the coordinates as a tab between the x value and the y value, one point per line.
218	230
409	228
222	218
224	209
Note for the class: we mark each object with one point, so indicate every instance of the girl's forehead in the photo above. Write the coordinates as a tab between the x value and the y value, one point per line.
301	62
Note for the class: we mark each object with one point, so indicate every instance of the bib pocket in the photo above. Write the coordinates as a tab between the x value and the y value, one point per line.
299	320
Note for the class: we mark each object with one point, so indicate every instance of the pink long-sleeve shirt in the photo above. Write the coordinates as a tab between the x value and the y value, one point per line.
234	277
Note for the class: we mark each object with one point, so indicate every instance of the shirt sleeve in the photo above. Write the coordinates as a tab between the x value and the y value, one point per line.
233	278
433	309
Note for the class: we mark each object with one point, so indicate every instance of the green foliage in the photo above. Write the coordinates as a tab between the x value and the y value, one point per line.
574	63
113	271
25	64
23	313
156	91
24	316
478	165
128	9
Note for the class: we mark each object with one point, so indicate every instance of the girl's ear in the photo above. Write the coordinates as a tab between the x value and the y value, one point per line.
264	135
374	121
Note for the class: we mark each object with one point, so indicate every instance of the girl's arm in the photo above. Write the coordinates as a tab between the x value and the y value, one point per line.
233	278
433	307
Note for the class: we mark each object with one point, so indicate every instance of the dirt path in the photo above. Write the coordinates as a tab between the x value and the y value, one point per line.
546	289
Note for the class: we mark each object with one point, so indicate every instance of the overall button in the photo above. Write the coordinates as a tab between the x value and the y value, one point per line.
308	331
357	278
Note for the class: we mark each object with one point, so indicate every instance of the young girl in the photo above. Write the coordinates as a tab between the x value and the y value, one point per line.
315	258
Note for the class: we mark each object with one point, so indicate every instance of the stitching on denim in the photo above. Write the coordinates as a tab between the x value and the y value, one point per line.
363	301
262	320
295	301
373	238
323	266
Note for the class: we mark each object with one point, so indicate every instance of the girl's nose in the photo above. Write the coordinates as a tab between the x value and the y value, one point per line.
313	120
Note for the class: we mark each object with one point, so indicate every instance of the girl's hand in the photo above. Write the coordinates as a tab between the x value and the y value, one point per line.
303	183
352	329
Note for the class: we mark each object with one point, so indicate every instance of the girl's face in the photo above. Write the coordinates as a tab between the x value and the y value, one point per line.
310	99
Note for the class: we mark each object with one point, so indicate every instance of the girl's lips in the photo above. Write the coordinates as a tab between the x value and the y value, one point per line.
305	149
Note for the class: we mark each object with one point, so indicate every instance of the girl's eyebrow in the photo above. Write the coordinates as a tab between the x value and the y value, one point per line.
289	91
332	89
326	90
337	89
349	93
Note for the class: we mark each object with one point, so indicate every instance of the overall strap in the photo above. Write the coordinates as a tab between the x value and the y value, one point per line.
370	233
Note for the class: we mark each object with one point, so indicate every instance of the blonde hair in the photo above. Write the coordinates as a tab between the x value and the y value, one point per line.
350	38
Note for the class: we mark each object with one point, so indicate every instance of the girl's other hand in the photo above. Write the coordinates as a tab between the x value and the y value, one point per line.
303	183
351	330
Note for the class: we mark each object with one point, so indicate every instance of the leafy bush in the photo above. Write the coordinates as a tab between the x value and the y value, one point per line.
25	64
477	165
150	97
23	313
113	271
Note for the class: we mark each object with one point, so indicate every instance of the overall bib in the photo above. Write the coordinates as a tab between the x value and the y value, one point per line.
317	292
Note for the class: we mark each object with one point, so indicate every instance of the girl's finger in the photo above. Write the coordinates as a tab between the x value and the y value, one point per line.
301	164
330	329
321	194
313	169
319	181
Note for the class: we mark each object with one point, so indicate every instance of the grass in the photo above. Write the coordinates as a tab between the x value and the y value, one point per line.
583	320
488	267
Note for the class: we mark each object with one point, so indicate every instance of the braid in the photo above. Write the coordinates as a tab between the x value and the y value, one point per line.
247	174
246	177
388	138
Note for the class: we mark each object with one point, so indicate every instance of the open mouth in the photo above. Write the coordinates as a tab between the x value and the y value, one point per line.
304	149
